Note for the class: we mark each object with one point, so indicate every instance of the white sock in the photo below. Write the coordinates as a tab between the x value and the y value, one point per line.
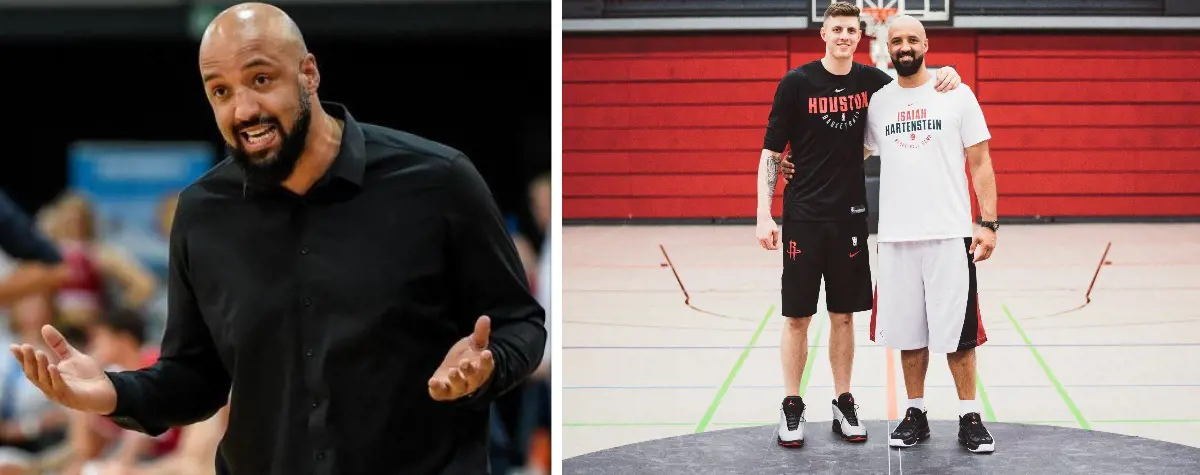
918	403
966	406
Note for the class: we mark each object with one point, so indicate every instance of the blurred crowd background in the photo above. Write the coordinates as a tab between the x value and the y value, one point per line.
108	121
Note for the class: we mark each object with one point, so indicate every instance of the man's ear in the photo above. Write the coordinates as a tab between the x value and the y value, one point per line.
312	75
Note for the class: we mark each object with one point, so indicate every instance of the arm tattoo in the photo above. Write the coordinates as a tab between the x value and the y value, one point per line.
772	171
772	175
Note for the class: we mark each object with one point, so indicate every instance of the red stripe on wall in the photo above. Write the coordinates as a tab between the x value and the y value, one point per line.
675	46
1180	205
673	69
1010	184
1096	47
1118	183
1131	138
661	126
1084	68
662	208
665	116
1102	115
1102	92
1140	161
663	139
707	185
743	161
742	92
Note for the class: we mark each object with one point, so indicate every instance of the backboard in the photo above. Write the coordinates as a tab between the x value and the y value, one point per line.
929	12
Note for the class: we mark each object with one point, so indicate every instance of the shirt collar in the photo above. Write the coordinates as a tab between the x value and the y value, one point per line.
351	160
348	166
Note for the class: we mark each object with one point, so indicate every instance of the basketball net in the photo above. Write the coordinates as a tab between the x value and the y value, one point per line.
877	20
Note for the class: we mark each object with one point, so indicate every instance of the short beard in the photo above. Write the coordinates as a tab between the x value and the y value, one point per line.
273	168
909	69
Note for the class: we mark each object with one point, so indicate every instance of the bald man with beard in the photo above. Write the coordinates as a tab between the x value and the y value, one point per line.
928	244
350	290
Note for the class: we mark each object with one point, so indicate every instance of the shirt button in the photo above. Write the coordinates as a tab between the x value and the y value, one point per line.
304	250
308	353
307	301
320	455
314	404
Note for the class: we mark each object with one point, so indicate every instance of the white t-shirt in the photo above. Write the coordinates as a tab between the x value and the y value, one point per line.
920	135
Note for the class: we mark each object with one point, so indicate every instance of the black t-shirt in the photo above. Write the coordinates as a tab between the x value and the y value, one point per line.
823	117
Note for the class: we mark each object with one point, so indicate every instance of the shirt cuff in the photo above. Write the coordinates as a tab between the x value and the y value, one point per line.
125	413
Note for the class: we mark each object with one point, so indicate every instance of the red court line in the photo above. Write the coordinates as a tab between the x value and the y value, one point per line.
1088	295
687	299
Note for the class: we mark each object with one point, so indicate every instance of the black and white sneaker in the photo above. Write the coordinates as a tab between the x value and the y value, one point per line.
973	435
845	419
791	419
914	428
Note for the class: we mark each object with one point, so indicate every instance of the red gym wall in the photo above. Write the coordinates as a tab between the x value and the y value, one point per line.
672	126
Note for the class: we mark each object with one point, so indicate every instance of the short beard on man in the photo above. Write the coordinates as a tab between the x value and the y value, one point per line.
270	168
910	68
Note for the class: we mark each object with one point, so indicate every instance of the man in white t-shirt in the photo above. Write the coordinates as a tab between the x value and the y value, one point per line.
926	293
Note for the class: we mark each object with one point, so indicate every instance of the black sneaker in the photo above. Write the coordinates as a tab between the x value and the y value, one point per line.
973	435
791	417
845	419
914	428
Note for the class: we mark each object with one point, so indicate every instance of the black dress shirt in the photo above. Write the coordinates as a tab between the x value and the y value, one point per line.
328	313
18	237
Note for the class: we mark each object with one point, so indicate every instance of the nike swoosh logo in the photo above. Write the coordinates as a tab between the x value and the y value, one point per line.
855	253
839	90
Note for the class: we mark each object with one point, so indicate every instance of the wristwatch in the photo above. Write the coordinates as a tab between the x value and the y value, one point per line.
990	225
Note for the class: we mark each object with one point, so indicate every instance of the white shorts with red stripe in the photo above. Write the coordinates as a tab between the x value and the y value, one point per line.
926	296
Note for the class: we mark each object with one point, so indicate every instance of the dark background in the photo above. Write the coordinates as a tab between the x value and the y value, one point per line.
472	76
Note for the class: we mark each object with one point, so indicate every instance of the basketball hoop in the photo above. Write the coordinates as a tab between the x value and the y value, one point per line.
877	20
881	15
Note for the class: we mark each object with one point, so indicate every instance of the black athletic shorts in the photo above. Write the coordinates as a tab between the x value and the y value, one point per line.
835	250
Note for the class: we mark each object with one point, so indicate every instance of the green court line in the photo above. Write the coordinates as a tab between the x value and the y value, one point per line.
1083	423
765	423
625	424
809	364
987	403
712	408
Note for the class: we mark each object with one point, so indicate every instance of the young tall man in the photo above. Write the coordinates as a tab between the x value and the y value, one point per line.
820	110
928	243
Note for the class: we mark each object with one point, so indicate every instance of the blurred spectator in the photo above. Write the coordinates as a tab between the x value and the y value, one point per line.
30	424
524	249
197	449
32	263
535	420
117	340
521	435
540	200
95	268
149	246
